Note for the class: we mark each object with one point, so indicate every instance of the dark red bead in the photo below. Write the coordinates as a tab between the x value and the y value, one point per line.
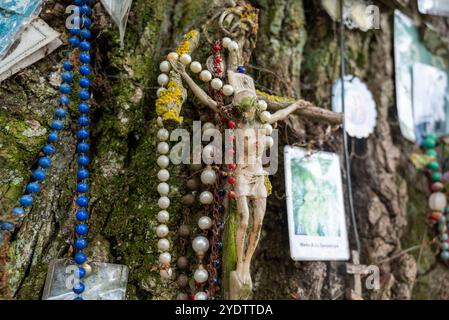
231	180
232	166
217	47
231	124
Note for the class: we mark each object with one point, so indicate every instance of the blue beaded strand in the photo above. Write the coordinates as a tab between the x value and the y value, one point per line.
82	37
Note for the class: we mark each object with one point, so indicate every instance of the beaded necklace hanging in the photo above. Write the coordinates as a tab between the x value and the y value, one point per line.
78	59
213	195
438	199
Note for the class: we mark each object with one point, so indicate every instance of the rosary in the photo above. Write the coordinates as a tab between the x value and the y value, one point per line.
76	70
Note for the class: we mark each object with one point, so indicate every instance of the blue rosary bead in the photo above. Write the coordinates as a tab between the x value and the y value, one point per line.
18	211
67	76
83	160
57	125
7	226
216	263
82	187
80	243
44	162
74	41
83	121
241	69
33	187
74	31
78	288
82	215
84	83
83	147
85	46
49	149
80	258
85	9
83	134
84	95
82	174
39	174
81	272
64	100
53	137
68	66
219	245
84	70
82	201
81	229
60	112
83	107
26	200
85	33
86	22
65	88
84	57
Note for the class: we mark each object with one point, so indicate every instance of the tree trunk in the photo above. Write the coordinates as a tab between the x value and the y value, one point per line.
298	43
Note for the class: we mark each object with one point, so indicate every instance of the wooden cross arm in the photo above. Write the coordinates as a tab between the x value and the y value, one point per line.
305	109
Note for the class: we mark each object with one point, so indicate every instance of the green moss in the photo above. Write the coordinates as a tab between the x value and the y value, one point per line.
229	247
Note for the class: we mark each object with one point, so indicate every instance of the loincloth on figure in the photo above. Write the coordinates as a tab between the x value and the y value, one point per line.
250	184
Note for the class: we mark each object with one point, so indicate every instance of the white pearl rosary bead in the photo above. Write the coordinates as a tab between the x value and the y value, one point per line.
162	79
205	223
165	66
163	134
166	274
160	122
163	244
163	202
216	84
228	90
185	59
265	116
208	176
165	258
437	201
159	91
200	244
205	76
225	42
262	105
162	231
206	197
268	129
201	275
201	296
196	67
233	46
163	148
163	189
163	175
172	56
163	161
163	216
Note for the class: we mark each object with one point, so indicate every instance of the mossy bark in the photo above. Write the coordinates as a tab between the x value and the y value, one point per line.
297	42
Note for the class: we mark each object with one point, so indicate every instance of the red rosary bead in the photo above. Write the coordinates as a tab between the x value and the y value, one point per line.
231	180
231	124
232	166
218	59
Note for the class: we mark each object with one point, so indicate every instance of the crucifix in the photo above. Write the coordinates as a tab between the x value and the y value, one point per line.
356	269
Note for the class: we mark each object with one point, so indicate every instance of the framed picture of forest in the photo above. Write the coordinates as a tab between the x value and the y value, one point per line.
315	206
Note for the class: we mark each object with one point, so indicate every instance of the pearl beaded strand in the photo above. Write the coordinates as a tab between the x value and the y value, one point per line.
163	189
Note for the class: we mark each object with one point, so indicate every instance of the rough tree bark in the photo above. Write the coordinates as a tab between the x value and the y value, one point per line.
296	54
